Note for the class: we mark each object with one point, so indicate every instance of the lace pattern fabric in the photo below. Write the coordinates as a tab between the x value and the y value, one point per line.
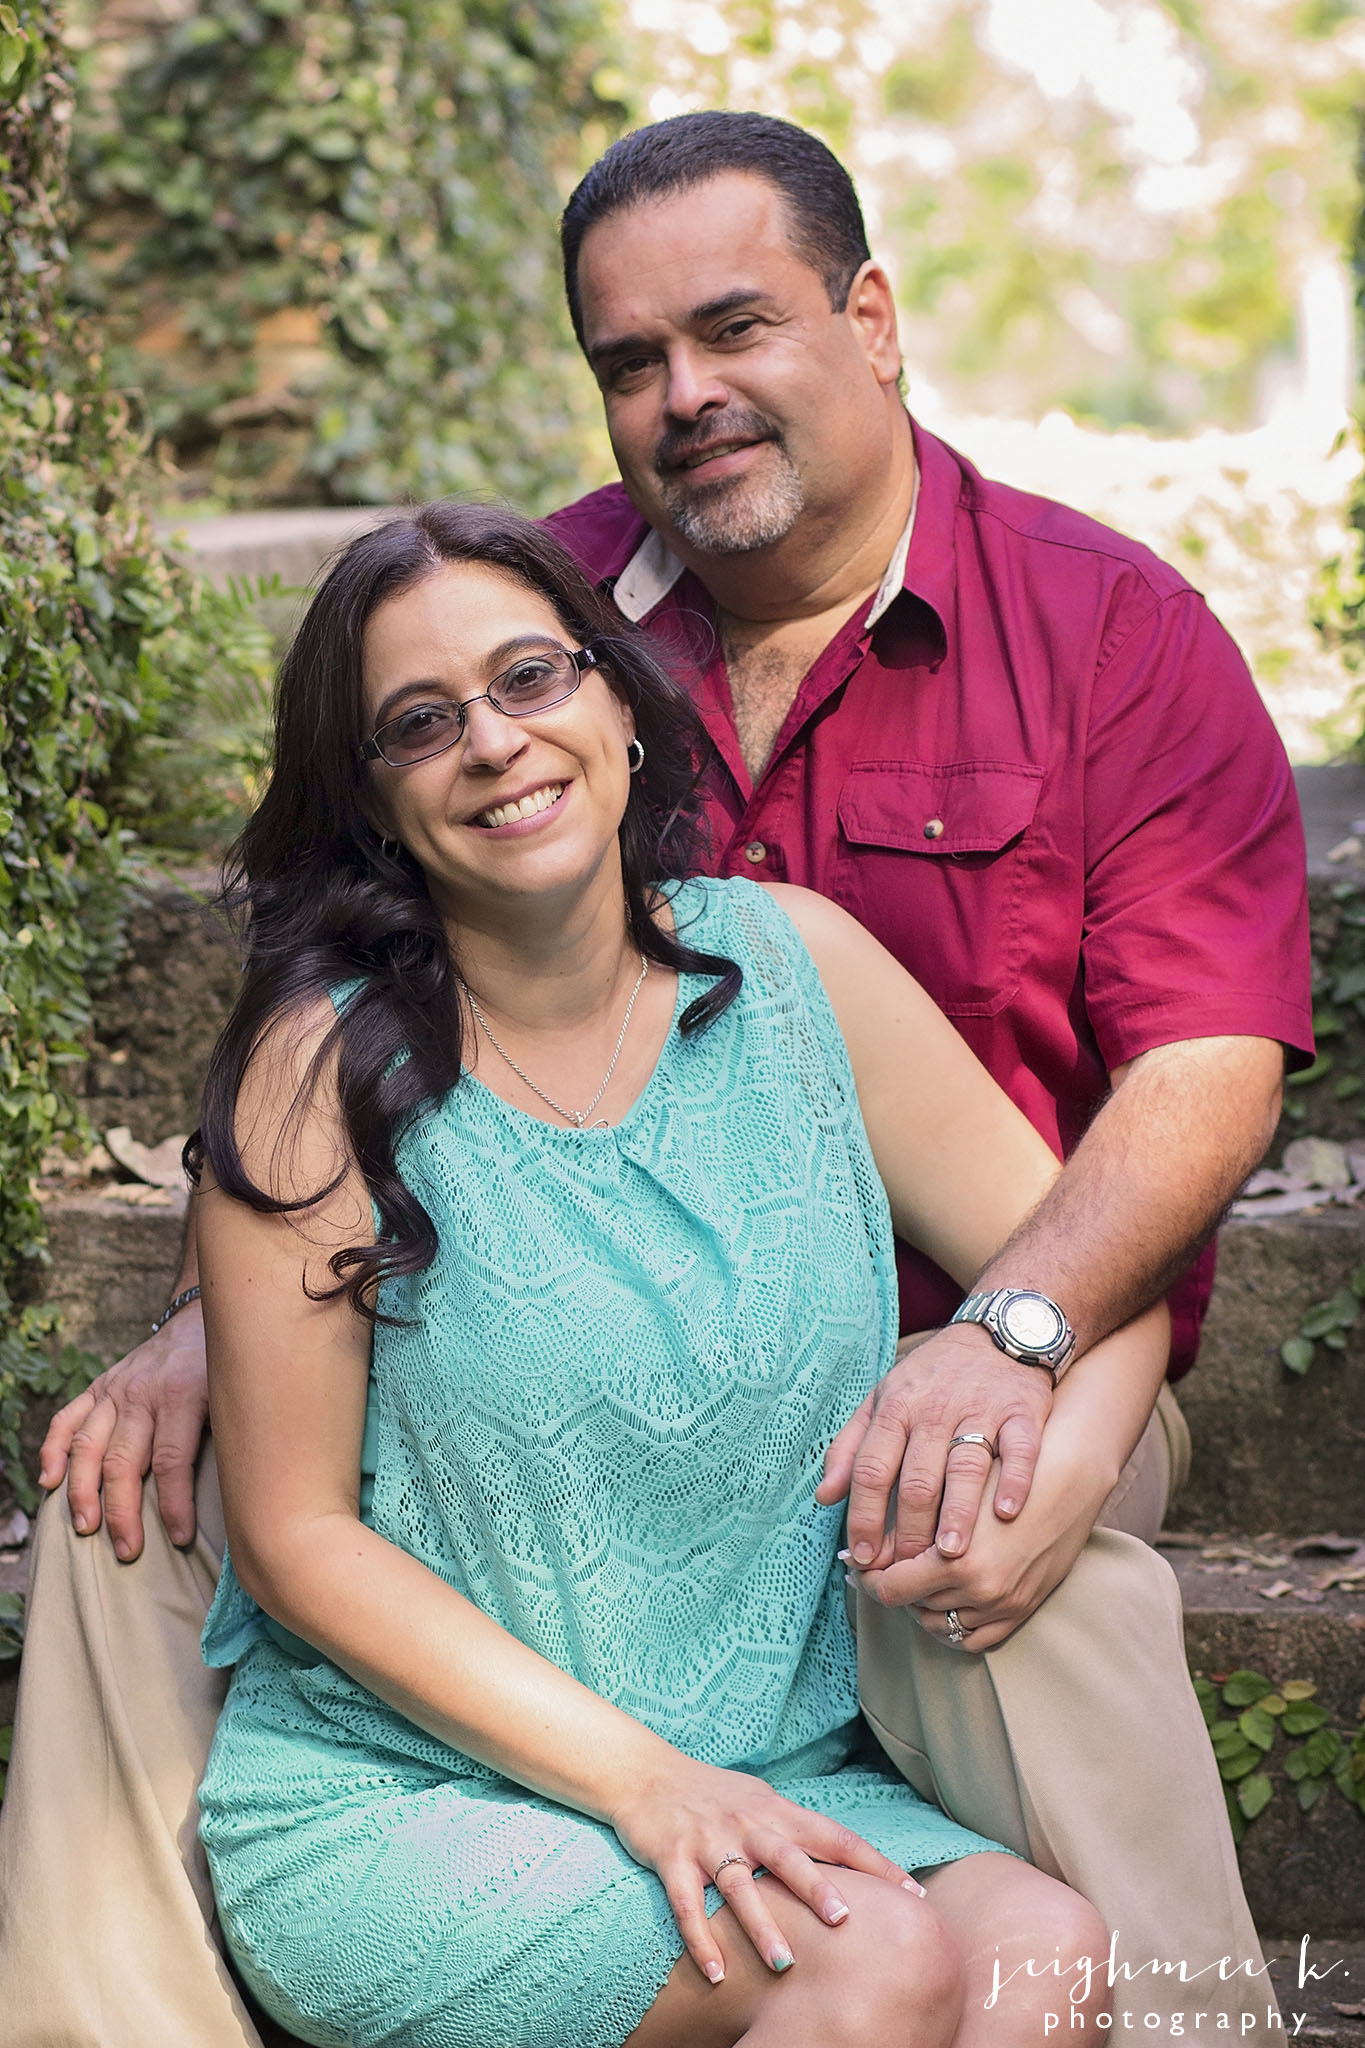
603	1423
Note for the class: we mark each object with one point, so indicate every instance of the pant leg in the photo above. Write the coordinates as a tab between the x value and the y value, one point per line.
1079	1743
106	1913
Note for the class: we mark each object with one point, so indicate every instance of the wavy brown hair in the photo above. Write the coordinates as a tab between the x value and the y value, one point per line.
326	903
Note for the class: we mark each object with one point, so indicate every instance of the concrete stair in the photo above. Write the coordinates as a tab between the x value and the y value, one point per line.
1276	1458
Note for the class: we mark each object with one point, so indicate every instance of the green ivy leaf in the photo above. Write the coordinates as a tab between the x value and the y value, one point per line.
1298	1354
1322	1750
1304	1688
1258	1727
1237	1766
1296	1765
1255	1794
1243	1688
1301	1717
1309	1793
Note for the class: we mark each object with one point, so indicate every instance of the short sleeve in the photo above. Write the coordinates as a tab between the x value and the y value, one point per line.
1196	913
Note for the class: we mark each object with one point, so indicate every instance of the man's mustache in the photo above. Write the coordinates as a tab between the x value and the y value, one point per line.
739	423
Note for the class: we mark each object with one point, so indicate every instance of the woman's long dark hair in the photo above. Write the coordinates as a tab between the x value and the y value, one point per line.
327	902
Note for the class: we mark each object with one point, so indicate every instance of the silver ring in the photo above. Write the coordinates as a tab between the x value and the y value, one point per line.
733	1857
956	1632
974	1436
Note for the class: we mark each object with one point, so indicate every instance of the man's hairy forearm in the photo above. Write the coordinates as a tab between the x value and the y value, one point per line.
1146	1187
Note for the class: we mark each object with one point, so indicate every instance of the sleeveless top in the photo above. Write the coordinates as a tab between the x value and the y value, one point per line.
603	1415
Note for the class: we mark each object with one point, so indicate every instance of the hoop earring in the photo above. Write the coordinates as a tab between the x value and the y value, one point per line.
391	847
637	748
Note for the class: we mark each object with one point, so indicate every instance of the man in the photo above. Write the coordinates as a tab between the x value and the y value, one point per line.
1021	751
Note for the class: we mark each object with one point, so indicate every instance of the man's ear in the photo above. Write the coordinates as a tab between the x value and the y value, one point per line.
871	307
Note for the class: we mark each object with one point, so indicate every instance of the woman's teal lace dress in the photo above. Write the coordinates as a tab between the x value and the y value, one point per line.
605	1428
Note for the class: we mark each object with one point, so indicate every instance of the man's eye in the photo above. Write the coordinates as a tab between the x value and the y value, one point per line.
735	330
629	371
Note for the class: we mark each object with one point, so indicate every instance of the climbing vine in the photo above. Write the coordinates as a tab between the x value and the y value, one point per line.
1264	1735
104	641
322	234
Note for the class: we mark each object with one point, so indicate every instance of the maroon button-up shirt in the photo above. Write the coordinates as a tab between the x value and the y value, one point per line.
1041	774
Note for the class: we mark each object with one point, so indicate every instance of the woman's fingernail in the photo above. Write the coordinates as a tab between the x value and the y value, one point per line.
1005	1507
716	1972
782	1959
837	1912
910	1885
843	1555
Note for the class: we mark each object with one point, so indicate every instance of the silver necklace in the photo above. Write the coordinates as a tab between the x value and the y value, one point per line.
577	1117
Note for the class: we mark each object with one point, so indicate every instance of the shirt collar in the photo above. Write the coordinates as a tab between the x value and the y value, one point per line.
654	569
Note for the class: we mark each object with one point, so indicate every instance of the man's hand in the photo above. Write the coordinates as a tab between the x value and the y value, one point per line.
895	1449
147	1413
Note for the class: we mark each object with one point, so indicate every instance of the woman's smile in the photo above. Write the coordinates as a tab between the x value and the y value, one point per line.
515	816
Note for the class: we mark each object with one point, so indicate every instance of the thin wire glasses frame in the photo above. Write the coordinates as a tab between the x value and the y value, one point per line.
533	683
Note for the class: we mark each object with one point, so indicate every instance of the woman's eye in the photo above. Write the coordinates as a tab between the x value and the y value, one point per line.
526	679
420	723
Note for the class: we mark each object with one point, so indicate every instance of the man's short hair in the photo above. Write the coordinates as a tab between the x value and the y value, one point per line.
826	221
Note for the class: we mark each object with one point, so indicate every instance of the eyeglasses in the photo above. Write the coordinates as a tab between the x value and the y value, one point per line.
532	684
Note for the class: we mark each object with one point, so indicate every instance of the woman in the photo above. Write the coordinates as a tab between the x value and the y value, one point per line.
536	1183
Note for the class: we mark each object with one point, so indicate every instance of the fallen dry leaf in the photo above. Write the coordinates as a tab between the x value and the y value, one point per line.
1350	2012
1221	1553
1330	1545
1277	1591
158	1165
1315	1163
1310	1594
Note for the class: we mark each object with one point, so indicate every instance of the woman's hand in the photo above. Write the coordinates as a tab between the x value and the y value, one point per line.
1007	1573
689	1820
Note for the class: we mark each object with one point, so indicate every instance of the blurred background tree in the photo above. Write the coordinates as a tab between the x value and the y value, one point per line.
320	237
1136	210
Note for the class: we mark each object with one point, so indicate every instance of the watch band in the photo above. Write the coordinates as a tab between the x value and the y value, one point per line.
990	1308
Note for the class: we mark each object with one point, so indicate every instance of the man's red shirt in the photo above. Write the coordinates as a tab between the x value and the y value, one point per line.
1040	774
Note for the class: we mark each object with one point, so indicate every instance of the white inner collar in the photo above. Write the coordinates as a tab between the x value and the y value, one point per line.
653	569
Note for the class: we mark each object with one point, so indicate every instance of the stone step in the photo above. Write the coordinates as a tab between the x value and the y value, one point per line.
1313	1986
1304	1872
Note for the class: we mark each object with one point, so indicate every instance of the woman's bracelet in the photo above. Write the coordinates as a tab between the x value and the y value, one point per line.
173	1307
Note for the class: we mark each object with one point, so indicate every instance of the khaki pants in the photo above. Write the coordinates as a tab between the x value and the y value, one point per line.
1078	1742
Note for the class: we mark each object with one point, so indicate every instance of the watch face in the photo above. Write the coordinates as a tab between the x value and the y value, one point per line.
1032	1322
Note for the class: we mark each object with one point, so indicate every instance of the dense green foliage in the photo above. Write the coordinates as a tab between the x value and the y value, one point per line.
321	233
1341	610
103	642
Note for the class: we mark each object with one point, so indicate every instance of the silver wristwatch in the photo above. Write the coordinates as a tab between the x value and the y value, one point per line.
1025	1324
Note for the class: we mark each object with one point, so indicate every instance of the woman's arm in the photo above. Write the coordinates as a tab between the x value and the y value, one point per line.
287	1386
962	1169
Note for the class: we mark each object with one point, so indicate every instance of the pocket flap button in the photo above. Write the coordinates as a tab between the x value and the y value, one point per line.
933	828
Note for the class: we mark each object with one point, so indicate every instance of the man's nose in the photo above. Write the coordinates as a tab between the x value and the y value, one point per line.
694	387
491	738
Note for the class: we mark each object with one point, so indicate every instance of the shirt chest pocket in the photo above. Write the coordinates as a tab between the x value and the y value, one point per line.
935	861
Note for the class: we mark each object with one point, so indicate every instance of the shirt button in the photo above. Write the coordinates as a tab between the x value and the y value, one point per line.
757	851
933	828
